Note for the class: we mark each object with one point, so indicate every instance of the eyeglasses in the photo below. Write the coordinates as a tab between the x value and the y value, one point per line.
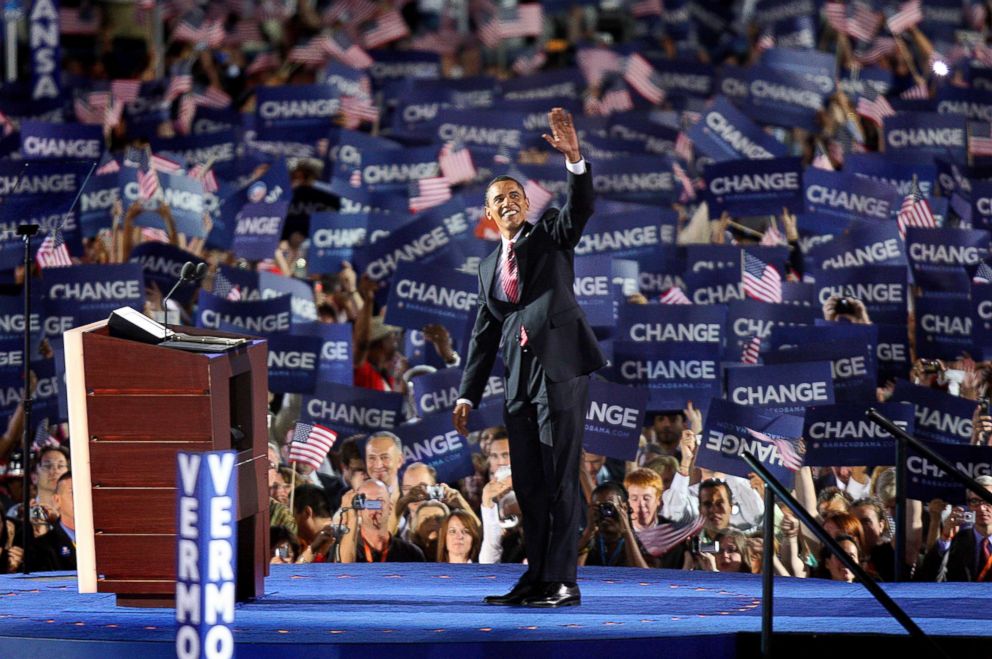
53	466
975	502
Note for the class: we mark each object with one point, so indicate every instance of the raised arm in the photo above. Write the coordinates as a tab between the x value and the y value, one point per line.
566	229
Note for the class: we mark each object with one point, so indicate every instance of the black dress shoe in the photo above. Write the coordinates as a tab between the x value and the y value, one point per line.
555	594
517	594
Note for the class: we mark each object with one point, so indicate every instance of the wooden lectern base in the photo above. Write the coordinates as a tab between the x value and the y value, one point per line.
146	601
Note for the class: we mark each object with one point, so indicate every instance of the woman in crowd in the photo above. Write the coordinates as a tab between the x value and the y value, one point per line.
459	539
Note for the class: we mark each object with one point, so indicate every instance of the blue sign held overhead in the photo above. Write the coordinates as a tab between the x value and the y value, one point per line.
614	419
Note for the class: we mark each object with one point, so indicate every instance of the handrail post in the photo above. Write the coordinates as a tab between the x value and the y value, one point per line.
900	530
768	574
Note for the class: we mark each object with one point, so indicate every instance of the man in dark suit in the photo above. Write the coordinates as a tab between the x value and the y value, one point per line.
527	308
962	552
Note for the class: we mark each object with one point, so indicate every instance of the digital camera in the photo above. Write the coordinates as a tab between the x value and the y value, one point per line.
361	503
435	492
968	517
699	547
607	511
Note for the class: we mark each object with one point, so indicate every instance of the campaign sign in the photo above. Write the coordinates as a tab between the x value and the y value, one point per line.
846	195
892	351
940	417
335	363
782	98
333	236
438	391
206	553
869	244
258	229
184	196
726	133
799	293
593	290
882	289
661	270
96	203
421	295
628	234
894	171
925	133
273	285
672	373
749	318
852	364
841	435
217	147
638	178
770	11
18	210
943	327
614	419
482	128
815	67
294	363
42	177
434	442
662	323
742	187
981	203
726	437
927	481
296	105
41	139
162	264
353	410
90	292
781	388
12	319
385	168
394	64
422	237
938	257
258	318
720	286
701	258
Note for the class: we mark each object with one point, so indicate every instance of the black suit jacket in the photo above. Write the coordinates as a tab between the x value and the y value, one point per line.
557	329
961	560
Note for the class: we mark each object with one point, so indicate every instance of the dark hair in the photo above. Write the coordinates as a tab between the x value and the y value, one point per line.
831	493
350	450
611	487
313	496
470	524
500	179
499	432
281	534
49	449
67	476
711	483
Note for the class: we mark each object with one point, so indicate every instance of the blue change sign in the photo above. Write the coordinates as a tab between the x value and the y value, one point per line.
846	195
672	373
943	327
852	365
749	318
258	229
941	258
421	295
926	134
438	391
866	245
90	292
743	187
661	323
783	98
41	139
333	237
628	234
206	553
260	318
352	410
726	133
432	440
162	264
841	435
927	481
883	289
782	388
296	105
614	419
940	417
335	350
294	363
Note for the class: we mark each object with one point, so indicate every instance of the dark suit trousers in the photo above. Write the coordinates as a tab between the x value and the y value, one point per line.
545	421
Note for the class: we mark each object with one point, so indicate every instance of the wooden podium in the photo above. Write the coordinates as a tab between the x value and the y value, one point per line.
132	407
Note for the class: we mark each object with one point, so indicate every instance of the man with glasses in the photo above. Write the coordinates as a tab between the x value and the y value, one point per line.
53	461
963	552
374	542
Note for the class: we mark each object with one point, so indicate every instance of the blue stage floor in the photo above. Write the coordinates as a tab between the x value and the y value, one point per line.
436	610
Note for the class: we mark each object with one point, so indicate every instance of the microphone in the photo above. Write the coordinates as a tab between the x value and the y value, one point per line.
201	271
187	273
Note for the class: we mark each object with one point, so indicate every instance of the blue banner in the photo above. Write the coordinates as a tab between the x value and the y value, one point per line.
943	327
925	133
927	481
725	133
646	178
258	229
420	295
162	264
749	318
594	291
895	172
335	363
389	168
46	55
841	435
352	410
882	289
41	139
260	318
628	234
333	236
206	552
981	203
940	417
294	363
938	257
846	195
875	244
672	373
217	147
852	364
664	323
981	320
296	106
726	436
47	212
90	292
614	419
438	392
785	99
97	202
743	187
433	442
719	286
184	197
892	351
781	388
661	270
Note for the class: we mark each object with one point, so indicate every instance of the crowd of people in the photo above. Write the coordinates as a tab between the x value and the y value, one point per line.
368	502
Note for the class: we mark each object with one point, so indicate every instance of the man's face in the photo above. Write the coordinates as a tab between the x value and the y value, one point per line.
715	507
413	477
382	459
51	467
63	500
593	463
644	504
377	520
668	428
279	490
499	456
870	523
506	205
609	527
982	510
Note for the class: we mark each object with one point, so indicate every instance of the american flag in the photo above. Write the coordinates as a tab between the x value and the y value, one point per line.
908	16
428	192
875	107
641	76
538	196
266	61
125	90
79	21
488	30
154	235
244	31
879	48
204	174
6	125
341	47
659	539
772	237
357	109
207	32
642	8
983	275
766	41
108	165
310	444
86	113
752	350
311	53
614	97
349	11
529	62
456	163
683	146
920	91
225	288
521	21
790	450
211	97
136	157
979	139
688	190
164	164
674	295
180	83
821	160
915	211
112	115
185	114
385	28
761	280
597	62
836	15
864	22
53	253
147	184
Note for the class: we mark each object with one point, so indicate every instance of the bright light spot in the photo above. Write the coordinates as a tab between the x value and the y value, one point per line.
940	68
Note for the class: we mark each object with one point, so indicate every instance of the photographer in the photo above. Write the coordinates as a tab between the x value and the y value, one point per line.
367	539
846	309
313	521
417	486
609	535
963	552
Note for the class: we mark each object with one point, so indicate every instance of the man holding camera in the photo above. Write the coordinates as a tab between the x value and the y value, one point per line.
609	537
963	552
368	540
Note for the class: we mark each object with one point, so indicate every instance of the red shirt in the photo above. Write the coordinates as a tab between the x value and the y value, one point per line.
366	376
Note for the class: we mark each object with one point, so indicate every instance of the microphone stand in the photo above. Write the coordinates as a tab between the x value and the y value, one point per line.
184	275
26	231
